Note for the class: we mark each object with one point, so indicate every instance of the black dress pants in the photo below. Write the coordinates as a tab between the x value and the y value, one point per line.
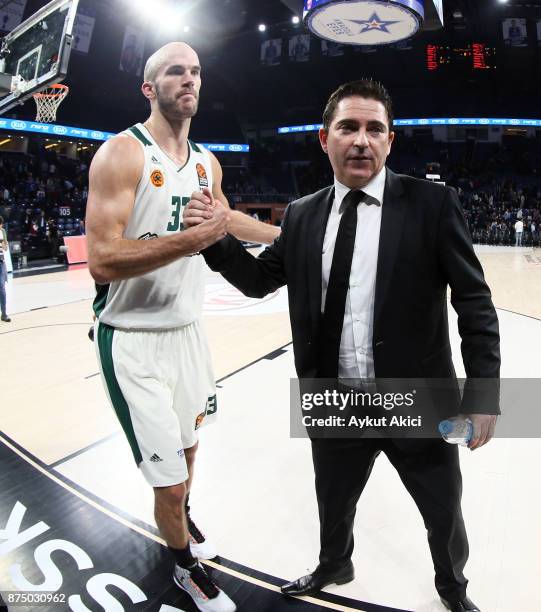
430	472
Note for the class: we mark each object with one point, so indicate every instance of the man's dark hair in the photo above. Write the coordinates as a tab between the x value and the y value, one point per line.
1	220
364	88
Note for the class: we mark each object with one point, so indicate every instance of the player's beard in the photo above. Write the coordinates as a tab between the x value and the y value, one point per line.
169	106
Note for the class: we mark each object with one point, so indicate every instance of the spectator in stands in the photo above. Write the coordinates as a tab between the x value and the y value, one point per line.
3	271
40	194
53	237
519	228
505	190
41	223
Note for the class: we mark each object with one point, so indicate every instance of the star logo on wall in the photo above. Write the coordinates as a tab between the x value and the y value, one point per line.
373	23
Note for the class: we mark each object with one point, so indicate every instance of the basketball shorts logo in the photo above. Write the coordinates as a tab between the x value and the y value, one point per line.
210	408
157	178
212	405
199	419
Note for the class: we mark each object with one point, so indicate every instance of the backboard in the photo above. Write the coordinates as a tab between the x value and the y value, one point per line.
36	53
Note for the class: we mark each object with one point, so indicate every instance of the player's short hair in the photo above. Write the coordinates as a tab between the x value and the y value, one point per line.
364	88
158	59
152	66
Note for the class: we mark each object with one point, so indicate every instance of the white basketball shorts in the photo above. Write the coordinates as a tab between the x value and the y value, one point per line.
161	386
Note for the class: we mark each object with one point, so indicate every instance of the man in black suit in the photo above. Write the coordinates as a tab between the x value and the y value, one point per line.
367	263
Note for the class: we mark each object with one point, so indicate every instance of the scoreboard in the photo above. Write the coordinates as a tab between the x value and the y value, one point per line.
472	57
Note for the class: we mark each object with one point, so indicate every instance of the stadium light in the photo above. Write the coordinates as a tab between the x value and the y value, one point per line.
262	27
295	20
145	8
169	13
502	1
172	14
172	17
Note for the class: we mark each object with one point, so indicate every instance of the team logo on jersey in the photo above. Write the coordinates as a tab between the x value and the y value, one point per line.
202	175
157	178
199	419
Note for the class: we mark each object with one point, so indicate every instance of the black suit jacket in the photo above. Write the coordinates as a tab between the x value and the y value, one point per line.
424	248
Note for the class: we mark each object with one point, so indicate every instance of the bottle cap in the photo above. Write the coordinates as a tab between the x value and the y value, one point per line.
445	427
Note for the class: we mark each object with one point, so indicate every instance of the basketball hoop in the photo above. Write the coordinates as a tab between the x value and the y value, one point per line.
48	100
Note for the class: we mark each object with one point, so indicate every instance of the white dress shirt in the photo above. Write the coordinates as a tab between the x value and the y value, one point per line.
356	358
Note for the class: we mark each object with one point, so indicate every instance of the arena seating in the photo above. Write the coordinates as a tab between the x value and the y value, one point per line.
43	195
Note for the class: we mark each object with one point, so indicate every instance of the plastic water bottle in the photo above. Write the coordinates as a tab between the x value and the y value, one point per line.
457	430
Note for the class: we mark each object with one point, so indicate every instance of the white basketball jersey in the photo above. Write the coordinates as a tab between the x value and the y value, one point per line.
171	296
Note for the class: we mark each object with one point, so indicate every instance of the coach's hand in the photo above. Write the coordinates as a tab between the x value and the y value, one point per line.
199	209
483	429
214	229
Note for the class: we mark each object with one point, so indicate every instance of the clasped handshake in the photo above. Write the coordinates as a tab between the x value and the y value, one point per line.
212	217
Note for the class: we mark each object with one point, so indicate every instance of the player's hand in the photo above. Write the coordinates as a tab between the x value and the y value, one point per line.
200	208
483	429
214	229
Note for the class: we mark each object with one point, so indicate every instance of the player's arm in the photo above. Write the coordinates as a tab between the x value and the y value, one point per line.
241	226
114	175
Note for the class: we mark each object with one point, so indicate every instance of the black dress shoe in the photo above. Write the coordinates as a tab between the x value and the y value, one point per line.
460	605
319	579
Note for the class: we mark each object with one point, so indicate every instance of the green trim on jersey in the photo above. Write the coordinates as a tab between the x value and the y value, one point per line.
105	346
101	299
194	146
140	136
187	160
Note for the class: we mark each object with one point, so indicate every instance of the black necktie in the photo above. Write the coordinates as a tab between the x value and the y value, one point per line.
337	289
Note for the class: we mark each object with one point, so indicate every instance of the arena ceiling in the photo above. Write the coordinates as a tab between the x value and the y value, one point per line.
239	92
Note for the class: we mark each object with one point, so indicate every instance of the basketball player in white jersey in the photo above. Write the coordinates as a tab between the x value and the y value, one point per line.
152	350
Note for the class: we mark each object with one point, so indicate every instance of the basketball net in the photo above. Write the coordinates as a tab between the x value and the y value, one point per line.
48	100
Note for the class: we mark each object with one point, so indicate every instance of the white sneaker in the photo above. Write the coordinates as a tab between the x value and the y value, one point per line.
200	547
206	595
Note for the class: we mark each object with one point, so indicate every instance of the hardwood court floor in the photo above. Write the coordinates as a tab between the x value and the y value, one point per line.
254	485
